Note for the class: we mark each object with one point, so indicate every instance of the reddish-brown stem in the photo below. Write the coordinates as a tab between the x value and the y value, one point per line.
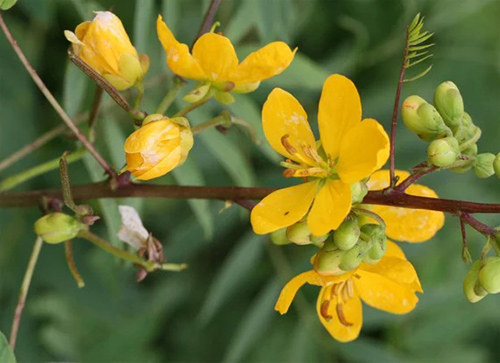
57	107
208	19
474	223
414	177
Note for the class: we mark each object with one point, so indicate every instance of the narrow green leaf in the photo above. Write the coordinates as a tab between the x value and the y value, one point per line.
420	75
421	38
419	60
421	47
414	22
74	89
7	4
415	31
246	17
171	14
6	353
144	18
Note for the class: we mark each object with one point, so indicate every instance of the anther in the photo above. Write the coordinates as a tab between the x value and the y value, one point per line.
286	144
324	310
341	316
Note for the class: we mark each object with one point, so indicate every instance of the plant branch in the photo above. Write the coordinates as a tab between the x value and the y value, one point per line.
474	223
71	264
208	19
169	98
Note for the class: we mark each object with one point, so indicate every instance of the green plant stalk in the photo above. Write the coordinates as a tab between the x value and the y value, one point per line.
15	180
169	98
71	264
193	106
370	214
23	293
140	93
223	120
472	140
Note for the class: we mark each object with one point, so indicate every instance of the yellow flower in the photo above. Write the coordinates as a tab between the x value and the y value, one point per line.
390	285
350	151
159	146
214	59
411	225
105	46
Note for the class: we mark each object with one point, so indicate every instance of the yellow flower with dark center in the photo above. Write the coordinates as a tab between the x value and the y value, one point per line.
105	46
389	285
402	224
214	59
159	146
351	149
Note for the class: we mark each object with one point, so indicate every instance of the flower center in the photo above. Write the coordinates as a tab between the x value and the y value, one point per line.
340	294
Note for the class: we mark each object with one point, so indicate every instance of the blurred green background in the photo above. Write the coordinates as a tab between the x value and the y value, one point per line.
221	308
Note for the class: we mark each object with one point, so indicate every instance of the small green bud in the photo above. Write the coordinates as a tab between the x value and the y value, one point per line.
483	166
470	151
423	119
364	246
279	237
318	239
57	227
496	165
351	259
197	93
377	234
472	291
443	152
327	262
358	192
299	233
449	103
346	236
489	275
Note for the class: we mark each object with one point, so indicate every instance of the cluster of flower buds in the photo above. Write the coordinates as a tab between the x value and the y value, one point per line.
450	131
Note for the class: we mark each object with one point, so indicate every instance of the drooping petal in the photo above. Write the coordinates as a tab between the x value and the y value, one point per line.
330	207
343	320
283	207
410	225
283	116
364	149
288	292
179	60
339	111
264	63
385	294
216	56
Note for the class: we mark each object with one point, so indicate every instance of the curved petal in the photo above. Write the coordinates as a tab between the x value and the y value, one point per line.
410	225
166	165
339	111
150	134
216	56
393	250
331	206
364	149
283	115
266	62
179	60
283	207
288	292
385	294
330	313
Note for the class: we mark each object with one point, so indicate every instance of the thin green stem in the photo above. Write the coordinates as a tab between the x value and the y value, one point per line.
23	293
71	264
140	93
17	179
370	214
472	140
193	106
169	98
216	121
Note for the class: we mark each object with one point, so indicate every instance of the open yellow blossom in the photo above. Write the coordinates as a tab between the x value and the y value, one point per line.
351	149
402	224
105	46
159	146
389	285
214	59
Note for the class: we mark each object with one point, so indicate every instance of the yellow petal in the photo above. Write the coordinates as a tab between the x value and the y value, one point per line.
283	208
288	292
410	225
364	149
351	312
283	115
179	60
166	165
339	111
216	56
385	294
331	206
150	134
393	250
266	62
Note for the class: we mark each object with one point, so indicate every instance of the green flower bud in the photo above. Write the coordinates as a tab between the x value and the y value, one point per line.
358	192
472	290
57	227
279	237
346	236
449	103
327	262
483	166
443	152
489	275
351	259
299	233
197	93
496	165
364	246
423	119
318	239
377	234
470	151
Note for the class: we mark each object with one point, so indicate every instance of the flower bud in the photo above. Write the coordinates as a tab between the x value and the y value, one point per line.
197	93
246	87
489	275
472	290
105	46
470	151
376	233
423	119
358	192
299	233
159	146
449	103
496	165
483	166
346	236
57	227
279	237
443	152
351	259
327	262
318	239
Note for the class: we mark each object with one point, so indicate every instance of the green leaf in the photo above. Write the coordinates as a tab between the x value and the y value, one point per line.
246	17
144	18
74	89
366	350
7	4
171	14
236	271
189	174
6	353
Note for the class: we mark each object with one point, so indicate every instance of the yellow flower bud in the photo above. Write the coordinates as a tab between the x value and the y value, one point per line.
346	236
472	290
423	119
299	233
489	275
105	46
483	166
496	165
443	152
159	146
449	103
57	227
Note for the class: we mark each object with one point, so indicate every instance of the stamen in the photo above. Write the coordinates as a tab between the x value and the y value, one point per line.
286	144
350	289
308	150
288	173
345	293
324	310
341	316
